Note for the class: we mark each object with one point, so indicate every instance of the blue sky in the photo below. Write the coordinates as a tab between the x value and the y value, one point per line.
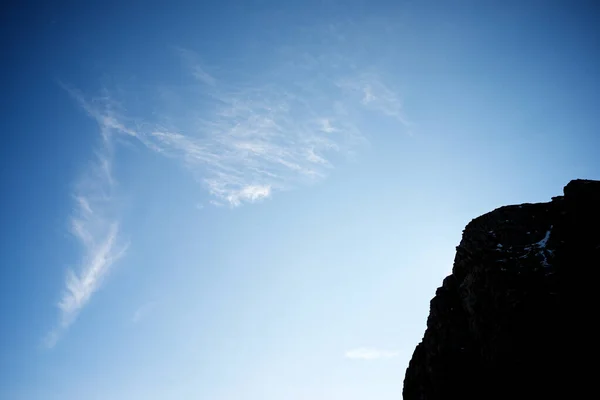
257	199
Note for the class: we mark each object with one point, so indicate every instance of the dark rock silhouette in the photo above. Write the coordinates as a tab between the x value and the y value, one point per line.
516	318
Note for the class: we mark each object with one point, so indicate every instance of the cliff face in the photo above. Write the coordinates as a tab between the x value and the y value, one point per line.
516	318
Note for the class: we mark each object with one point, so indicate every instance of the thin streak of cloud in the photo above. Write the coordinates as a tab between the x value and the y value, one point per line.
325	125
376	95
143	312
106	117
94	225
250	193
370	353
192	60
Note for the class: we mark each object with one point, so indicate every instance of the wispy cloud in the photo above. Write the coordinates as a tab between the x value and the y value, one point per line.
243	138
326	125
192	61
249	141
370	353
143	312
376	95
94	224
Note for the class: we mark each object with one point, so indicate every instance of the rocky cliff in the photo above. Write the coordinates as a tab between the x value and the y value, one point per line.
516	318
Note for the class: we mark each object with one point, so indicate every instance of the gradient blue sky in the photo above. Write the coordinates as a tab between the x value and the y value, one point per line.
257	199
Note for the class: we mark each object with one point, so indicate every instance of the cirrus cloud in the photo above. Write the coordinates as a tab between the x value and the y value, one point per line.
243	139
370	353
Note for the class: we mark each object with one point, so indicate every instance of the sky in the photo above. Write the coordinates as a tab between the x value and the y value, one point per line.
257	199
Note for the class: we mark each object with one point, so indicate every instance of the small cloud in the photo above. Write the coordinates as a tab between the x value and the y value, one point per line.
199	206
369	353
51	338
368	95
143	312
250	194
192	61
325	125
315	158
203	76
375	95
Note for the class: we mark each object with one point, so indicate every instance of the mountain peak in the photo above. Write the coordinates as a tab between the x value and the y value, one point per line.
506	322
